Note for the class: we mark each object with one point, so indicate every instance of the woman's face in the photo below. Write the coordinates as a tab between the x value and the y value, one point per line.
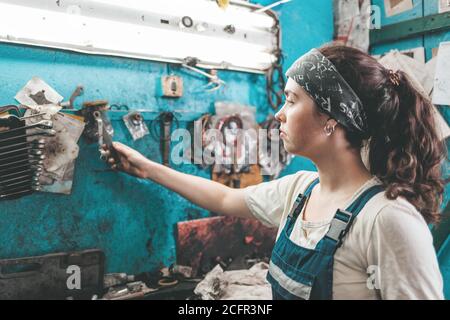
302	125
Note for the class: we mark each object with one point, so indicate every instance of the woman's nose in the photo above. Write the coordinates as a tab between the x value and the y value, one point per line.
280	115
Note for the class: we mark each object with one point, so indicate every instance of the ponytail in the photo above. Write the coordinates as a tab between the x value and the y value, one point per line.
405	152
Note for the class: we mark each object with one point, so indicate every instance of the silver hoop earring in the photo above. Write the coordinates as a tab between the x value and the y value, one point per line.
329	130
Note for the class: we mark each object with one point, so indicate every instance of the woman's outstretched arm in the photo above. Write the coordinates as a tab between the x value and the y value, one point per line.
205	193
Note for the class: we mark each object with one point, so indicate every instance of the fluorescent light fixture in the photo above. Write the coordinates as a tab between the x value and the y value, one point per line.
170	31
197	9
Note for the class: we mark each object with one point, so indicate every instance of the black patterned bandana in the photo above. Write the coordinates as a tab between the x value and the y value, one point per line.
320	78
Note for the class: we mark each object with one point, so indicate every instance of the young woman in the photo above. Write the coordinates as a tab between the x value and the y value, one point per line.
351	230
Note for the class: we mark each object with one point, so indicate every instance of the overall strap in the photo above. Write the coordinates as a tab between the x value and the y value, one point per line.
300	201
298	206
343	219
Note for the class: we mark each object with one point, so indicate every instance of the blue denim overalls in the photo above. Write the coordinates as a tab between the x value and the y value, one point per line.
302	274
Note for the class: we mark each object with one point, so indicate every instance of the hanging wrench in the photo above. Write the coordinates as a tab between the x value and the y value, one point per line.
20	178
28	156
22	168
27	146
15	195
14	177
40	143
41	114
22	162
12	174
17	175
29	160
45	133
20	152
19	184
44	124
31	150
19	190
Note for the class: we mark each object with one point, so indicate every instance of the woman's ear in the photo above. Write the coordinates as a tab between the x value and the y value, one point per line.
330	126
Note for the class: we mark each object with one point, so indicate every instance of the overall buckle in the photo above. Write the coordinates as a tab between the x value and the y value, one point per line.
339	226
297	206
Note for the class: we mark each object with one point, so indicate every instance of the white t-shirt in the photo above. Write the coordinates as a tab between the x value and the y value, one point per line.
387	254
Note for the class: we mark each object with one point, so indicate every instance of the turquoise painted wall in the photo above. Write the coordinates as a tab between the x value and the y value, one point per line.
131	220
423	8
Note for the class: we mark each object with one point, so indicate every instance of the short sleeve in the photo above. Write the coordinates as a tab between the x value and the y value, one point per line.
268	200
402	253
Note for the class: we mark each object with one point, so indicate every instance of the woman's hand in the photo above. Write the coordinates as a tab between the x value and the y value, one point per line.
130	161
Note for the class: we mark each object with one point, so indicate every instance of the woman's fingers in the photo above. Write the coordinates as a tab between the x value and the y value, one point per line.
123	150
123	160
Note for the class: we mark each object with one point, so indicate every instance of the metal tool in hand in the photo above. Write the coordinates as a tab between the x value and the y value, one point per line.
104	138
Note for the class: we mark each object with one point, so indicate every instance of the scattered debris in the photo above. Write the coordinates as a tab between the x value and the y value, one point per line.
236	285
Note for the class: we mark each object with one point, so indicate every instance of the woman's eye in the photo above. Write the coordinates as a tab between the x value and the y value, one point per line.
289	102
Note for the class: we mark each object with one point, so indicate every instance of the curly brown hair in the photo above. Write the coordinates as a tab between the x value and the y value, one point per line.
405	152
